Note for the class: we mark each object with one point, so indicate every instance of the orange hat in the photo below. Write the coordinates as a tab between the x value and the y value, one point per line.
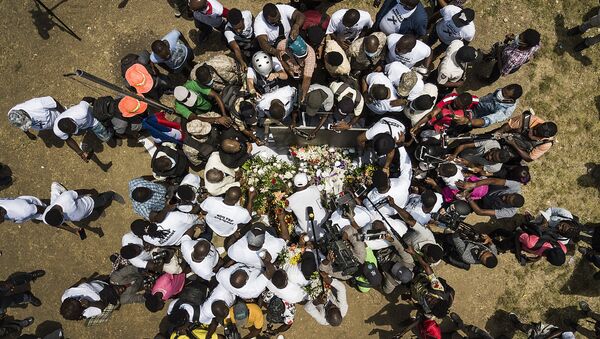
138	77
130	107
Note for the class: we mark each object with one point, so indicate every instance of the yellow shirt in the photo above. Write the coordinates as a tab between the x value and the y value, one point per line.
255	316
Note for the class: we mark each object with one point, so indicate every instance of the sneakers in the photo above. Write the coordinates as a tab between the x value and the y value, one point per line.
37	274
585	307
177	13
574	31
26	322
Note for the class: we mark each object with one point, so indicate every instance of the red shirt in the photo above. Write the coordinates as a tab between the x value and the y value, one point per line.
529	240
314	18
428	329
443	120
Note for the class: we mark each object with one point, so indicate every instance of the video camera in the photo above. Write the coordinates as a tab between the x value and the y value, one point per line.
345	261
161	256
454	218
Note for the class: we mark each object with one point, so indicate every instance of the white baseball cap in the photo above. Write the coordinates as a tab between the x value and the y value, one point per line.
185	96
300	180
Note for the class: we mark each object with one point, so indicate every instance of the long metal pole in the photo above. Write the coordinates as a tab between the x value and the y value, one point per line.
113	87
39	2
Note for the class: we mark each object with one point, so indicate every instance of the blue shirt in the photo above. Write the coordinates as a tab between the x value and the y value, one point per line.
492	111
157	201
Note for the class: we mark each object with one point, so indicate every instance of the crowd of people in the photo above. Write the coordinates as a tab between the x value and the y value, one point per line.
199	251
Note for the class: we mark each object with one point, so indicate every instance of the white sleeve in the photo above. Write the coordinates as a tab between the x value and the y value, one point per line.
334	22
205	205
341	296
48	102
373	131
277	66
251	74
260	27
229	36
314	312
287	11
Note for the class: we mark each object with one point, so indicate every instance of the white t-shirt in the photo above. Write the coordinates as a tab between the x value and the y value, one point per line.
203	269
349	34
382	106
240	252
86	291
447	30
141	261
251	73
224	219
414	115
255	284
299	201
385	125
21	209
42	111
292	292
81	114
212	15
186	307
414	206
449	69
262	27
362	217
246	33
176	223
420	52
398	225
219	293
394	72
75	208
286	94
390	23
398	190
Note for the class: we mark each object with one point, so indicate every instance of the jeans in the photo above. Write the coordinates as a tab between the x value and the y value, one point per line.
102	132
102	200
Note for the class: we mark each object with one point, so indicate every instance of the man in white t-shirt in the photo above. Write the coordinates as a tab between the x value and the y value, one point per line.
223	215
280	285
208	15
201	255
76	120
385	187
456	24
380	94
387	136
409	84
84	300
347	25
452	69
304	198
172	229
242	281
68	205
37	114
132	249
391	21
21	209
216	308
406	49
275	23
421	206
277	105
239	34
256	245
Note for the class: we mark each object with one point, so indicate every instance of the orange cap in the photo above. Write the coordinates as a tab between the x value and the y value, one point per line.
138	77
130	107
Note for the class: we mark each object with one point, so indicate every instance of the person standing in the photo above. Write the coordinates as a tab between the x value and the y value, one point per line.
515	52
208	15
347	25
402	16
584	27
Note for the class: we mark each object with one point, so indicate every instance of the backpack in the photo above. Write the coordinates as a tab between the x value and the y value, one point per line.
225	71
104	109
229	95
275	310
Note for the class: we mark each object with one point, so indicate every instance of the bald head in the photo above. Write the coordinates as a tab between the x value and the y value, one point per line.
351	17
232	195
371	44
201	250
238	279
230	146
219	309
406	44
214	176
333	316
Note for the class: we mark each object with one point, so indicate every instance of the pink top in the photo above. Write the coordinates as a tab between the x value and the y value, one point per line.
169	285
529	240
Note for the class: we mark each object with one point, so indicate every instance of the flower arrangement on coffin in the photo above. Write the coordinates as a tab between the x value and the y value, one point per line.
291	255
271	179
314	287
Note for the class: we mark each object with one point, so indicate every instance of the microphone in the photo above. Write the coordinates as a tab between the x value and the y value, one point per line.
311	213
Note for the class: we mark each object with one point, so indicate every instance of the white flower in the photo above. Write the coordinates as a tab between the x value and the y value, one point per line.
320	187
337	164
288	175
319	172
261	171
331	150
289	184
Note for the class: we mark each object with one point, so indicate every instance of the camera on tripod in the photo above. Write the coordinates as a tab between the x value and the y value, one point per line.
345	261
454	218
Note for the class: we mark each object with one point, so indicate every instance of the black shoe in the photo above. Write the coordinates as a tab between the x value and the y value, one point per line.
26	322
580	47
514	318
457	320
574	31
5	181
37	274
33	300
585	307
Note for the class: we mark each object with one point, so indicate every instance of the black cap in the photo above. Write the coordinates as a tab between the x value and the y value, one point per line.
248	113
345	106
466	54
464	17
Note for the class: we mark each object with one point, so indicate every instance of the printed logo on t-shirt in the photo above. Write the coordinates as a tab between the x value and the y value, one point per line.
224	219
396	18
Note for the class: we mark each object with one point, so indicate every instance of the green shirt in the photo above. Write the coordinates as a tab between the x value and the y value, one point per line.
202	104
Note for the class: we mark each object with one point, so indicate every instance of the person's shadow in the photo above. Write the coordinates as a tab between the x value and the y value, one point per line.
597	102
44	329
43	21
395	315
566	43
592	176
580	281
214	42
499	325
